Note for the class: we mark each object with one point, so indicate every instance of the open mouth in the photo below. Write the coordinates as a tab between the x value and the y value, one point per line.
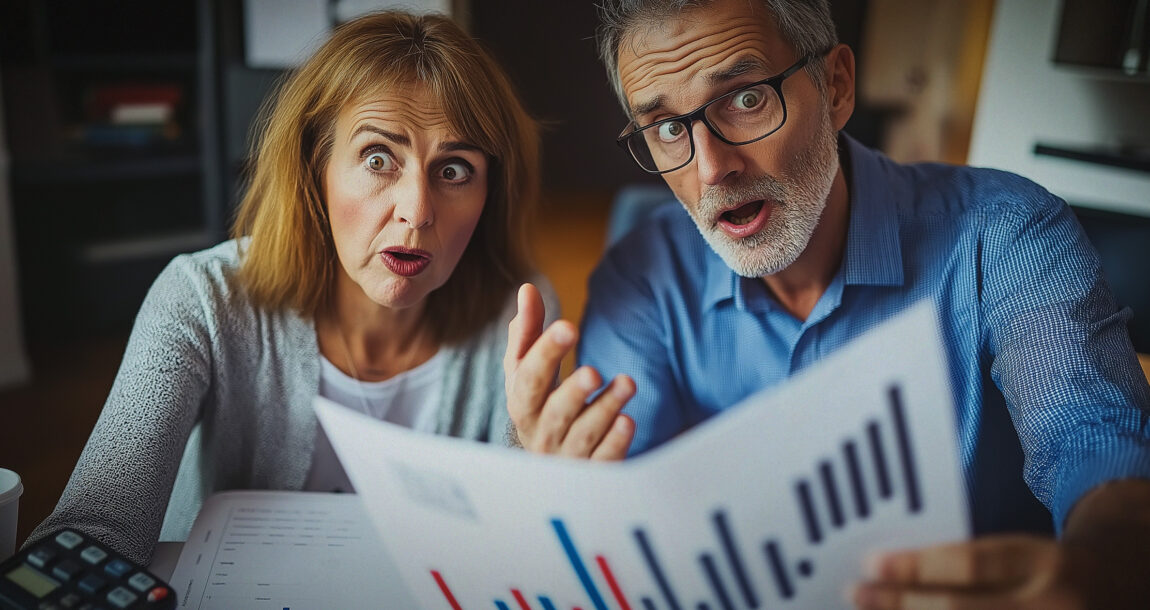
407	262
745	220
743	214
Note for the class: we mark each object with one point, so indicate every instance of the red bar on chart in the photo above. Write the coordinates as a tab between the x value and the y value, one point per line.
611	582
446	591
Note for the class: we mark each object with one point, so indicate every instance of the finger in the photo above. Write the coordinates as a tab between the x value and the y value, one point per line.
994	561
615	445
525	327
562	407
533	378
597	419
883	597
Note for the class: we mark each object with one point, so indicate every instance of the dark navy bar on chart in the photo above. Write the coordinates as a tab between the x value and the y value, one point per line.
715	580
858	491
828	477
648	604
704	606
580	569
501	605
656	571
779	570
814	534
874	436
909	471
546	601
720	519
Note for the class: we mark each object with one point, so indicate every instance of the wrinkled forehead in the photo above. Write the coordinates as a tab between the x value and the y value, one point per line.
692	48
408	102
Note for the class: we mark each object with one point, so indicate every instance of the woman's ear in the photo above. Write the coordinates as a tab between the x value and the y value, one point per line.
840	80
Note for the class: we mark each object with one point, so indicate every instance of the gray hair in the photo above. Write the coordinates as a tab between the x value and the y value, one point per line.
806	25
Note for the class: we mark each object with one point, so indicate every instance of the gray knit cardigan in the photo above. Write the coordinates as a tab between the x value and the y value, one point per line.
214	393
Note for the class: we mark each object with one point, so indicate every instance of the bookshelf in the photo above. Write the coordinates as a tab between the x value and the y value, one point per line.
112	121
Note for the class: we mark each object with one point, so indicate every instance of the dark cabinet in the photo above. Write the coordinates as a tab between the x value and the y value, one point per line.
112	121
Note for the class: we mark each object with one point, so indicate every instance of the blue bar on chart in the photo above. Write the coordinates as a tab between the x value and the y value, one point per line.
577	564
910	473
831	490
656	569
779	570
858	490
720	520
874	437
716	581
810	519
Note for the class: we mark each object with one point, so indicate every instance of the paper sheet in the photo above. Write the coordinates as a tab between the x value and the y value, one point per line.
297	550
774	503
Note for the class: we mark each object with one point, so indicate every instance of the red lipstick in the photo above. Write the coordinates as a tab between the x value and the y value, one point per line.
407	262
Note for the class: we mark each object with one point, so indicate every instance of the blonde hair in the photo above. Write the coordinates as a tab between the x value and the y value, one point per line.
290	261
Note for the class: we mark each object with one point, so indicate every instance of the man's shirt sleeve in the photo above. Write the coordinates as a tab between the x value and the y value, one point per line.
623	331
1060	352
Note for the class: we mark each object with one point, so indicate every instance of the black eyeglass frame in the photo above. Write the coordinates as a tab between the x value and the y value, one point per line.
699	114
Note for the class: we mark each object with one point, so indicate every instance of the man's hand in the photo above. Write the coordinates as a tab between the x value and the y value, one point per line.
1102	561
987	573
559	419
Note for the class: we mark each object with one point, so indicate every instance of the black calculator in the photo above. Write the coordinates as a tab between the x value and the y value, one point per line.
70	570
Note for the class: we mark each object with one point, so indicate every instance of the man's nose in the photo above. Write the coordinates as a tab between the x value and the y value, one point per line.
715	160
414	201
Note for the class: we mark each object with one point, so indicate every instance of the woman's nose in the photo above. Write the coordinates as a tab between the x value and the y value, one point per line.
414	203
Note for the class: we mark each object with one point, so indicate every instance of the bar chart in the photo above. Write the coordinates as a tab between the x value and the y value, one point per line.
772	504
735	581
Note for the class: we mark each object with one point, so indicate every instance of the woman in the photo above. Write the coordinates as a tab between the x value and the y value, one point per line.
374	262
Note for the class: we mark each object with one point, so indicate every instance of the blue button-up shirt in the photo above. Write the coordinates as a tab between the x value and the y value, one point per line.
1033	336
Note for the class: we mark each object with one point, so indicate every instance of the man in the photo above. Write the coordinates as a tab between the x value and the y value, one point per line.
797	239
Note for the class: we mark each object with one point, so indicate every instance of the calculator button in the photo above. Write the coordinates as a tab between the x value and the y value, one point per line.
121	597
141	582
71	600
69	539
117	568
94	555
67	570
91	583
42	556
158	594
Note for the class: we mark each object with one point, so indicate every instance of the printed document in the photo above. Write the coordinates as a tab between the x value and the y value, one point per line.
774	503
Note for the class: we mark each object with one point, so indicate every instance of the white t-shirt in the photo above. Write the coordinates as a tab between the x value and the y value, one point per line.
408	399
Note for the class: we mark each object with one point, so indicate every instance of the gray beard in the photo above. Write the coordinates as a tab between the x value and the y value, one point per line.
798	200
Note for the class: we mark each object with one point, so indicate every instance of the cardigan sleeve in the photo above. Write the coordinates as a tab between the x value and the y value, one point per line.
120	487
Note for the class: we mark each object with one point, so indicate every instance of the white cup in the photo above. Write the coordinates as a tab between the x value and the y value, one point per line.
10	490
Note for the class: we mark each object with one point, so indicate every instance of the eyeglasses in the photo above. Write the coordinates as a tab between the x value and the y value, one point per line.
740	117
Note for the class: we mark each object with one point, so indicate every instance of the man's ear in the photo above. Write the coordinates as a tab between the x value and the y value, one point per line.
840	80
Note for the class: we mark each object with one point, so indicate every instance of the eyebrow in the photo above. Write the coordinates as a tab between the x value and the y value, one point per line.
402	140
739	68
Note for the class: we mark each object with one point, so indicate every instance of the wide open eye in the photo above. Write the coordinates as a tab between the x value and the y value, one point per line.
380	162
456	171
747	99
671	131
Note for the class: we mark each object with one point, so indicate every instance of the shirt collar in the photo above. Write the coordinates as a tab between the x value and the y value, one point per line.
873	252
